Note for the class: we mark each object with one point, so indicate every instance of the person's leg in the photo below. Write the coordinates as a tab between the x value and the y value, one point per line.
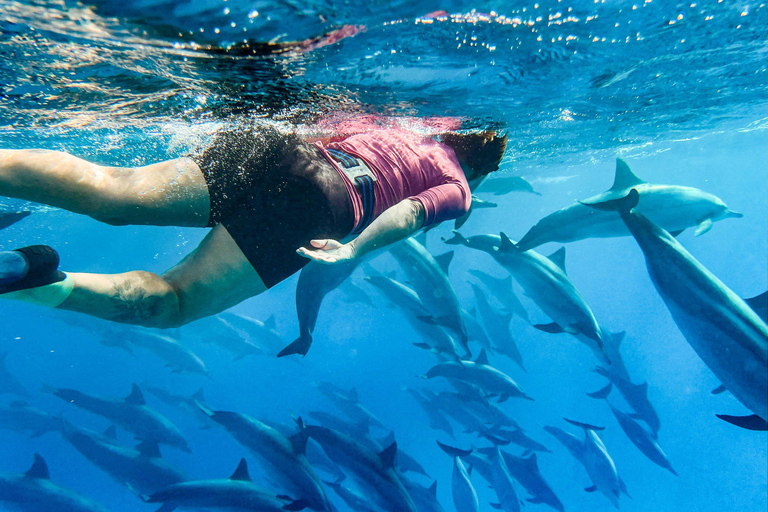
170	193
214	277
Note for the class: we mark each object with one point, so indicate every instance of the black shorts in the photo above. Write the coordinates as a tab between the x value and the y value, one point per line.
274	193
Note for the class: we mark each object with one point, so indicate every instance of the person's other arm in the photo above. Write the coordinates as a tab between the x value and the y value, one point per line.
395	223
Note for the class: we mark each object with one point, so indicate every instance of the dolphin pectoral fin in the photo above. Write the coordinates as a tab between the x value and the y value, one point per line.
552	328
704	226
295	505
759	305
300	346
497	506
719	389
676	233
602	393
591	489
166	507
753	422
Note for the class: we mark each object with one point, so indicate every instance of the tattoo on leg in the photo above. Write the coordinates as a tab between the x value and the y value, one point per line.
132	304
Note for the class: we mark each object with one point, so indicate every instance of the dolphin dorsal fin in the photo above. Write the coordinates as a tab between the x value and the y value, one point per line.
507	245
388	455
421	238
39	469
136	397
241	473
149	449
444	260
199	396
533	460
482	358
299	442
558	258
433	489
270	323
624	178
111	432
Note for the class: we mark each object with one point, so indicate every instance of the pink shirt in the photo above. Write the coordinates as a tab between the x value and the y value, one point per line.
407	166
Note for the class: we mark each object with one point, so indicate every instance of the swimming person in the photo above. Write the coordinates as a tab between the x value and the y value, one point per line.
274	202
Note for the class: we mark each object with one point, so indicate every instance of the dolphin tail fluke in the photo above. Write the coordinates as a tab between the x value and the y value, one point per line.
622	205
753	422
453	451
300	346
602	393
458	239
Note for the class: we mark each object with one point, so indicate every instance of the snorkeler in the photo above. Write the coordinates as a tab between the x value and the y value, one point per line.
274	201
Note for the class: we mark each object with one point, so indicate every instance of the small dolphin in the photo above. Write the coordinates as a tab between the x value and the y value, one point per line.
264	335
644	440
233	339
636	395
21	417
10	218
238	492
474	400
348	402
472	458
354	500
130	413
285	457
502	484
464	495
176	355
429	278
725	332
674	208
375	470
142	467
33	491
507	184
593	455
479	373
501	288
437	420
447	404
497	327
315	282
526	471
475	329
546	283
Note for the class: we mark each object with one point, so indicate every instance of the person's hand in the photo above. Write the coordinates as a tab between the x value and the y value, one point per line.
328	251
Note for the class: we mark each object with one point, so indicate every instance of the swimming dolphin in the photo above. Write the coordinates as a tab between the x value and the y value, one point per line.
142	467
425	498
593	455
475	329
517	436
187	403
375	470
501	288
479	373
505	185
473	458
644	441
130	413
474	400
33	491
526	471
636	395
546	283
725	332
428	277
464	495
348	402
502	484
264	335
285	457
446	403
497	327
355	501
22	418
238	492
435	337
673	207
176	355
233	339
315	282
437	420
10	218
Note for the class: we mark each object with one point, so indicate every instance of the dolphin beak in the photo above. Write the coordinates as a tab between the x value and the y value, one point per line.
730	214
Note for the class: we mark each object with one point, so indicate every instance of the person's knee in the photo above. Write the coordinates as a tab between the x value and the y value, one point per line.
146	299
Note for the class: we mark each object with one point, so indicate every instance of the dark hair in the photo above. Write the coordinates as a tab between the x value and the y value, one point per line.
481	152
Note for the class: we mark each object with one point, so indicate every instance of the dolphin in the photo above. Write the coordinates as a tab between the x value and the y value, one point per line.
238	492
644	441
429	278
501	288
546	283
437	419
526	471
673	207
446	403
375	470
517	436
176	355
264	335
10	218
233	339
479	373
142	467
725	332
507	184
593	455
285	457
475	329
349	403
475	402
473	458
636	395
435	337
354	500
497	327
464	495
425	498
23	418
502	485
130	413
183	402
33	491
8	383
315	282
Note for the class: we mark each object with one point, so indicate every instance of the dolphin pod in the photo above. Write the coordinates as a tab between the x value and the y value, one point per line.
720	326
673	207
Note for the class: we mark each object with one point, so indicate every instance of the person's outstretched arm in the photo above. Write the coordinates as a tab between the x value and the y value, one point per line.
395	223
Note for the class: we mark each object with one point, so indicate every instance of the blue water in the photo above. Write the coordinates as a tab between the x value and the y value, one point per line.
676	90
